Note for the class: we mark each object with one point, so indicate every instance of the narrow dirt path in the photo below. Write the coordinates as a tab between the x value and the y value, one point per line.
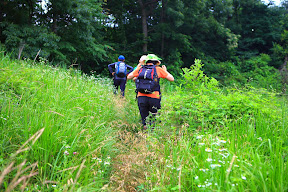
130	167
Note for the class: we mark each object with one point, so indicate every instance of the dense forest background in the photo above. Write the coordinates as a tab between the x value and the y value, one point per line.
222	124
238	41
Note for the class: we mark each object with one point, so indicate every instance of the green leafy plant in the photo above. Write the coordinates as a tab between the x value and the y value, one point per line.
195	79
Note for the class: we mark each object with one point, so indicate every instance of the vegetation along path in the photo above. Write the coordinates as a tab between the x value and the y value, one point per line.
62	130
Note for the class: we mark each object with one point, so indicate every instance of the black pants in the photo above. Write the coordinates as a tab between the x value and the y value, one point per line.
121	83
148	105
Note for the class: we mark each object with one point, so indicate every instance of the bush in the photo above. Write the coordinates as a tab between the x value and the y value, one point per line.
261	74
255	71
200	102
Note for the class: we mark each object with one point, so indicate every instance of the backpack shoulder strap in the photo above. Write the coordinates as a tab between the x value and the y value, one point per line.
155	71
140	70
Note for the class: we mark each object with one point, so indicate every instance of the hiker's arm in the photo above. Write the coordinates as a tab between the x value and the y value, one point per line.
130	76
110	68
130	69
169	76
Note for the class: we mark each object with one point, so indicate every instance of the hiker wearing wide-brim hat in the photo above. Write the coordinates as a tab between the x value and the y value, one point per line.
141	63
143	59
119	71
148	87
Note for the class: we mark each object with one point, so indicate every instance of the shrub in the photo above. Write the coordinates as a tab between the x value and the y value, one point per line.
200	102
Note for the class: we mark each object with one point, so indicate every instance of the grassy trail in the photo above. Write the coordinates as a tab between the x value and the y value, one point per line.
129	167
65	131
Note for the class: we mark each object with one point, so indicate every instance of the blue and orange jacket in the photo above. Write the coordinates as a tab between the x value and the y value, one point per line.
161	74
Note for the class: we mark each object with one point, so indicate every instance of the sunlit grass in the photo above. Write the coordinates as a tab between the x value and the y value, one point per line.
242	155
62	130
77	114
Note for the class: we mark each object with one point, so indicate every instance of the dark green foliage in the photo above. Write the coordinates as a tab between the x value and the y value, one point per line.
226	72
68	32
258	25
255	72
32	38
90	34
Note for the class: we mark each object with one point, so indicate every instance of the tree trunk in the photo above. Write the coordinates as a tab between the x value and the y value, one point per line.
145	30
144	14
2	4
163	21
144	26
31	11
21	47
236	10
54	25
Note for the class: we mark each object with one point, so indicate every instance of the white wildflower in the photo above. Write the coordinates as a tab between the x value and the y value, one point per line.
215	165
224	155
216	144
222	149
202	170
199	136
209	160
208	184
201	144
208	150
223	162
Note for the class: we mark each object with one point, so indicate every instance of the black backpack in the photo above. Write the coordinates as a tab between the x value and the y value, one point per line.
148	80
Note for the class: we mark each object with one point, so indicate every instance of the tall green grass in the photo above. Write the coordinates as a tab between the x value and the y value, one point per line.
63	130
211	140
79	118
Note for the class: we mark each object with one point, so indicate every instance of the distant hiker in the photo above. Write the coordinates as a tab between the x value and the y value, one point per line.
120	70
148	87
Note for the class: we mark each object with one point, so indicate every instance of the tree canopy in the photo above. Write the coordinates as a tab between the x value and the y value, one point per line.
91	34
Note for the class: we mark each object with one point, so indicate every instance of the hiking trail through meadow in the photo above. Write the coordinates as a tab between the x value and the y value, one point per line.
130	166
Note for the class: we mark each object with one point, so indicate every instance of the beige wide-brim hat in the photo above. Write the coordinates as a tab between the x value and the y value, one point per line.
143	58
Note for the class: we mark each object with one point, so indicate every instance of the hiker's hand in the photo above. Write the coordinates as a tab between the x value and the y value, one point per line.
113	73
164	68
139	65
